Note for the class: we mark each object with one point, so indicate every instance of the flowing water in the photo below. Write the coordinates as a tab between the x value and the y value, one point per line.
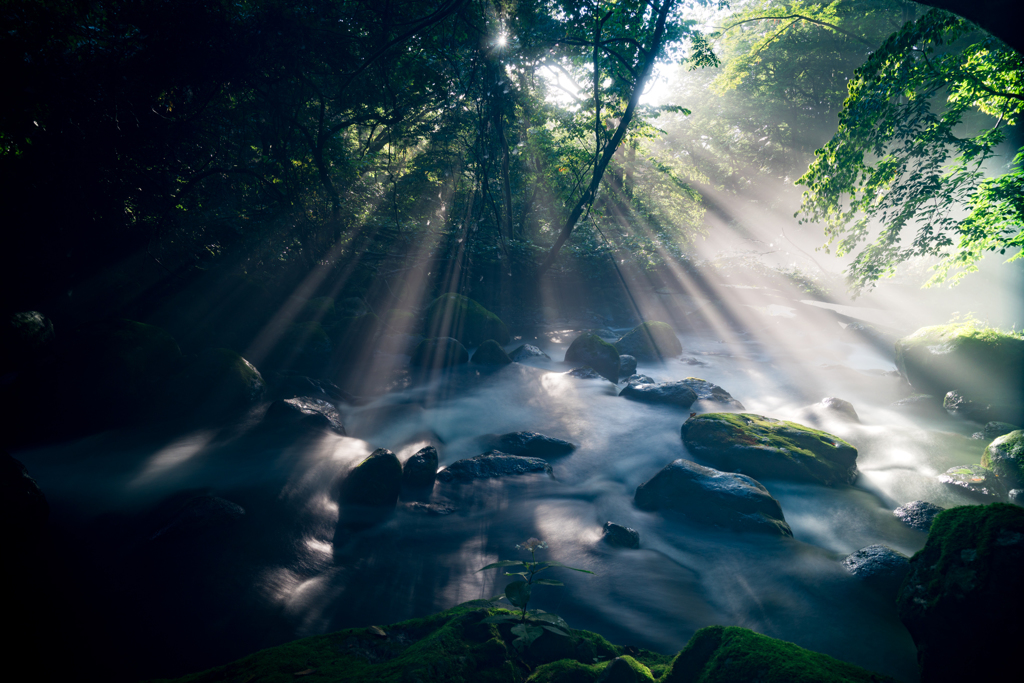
145	607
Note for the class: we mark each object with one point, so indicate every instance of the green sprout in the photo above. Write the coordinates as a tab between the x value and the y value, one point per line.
529	624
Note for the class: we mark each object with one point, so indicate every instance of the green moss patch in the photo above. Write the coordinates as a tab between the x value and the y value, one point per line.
1005	457
458	316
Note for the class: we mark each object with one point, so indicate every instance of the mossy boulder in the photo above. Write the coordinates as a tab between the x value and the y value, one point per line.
730	654
373	483
458	316
983	364
976	480
490	353
705	495
594	352
766	448
1005	457
964	594
218	382
623	669
650	341
439	352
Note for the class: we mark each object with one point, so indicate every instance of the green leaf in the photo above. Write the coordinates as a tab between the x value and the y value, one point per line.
551	619
549	582
518	593
503	563
575	569
556	631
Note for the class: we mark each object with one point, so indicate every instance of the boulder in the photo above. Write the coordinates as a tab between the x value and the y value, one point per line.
458	316
956	403
290	386
592	351
420	470
677	394
983	364
627	365
918	514
23	507
304	412
994	429
730	654
976	480
492	464
650	341
199	515
373	483
639	379
218	382
837	407
625	669
490	353
879	566
439	352
963	596
525	351
767	448
620	536
1005	457
708	391
532	444
705	495
586	372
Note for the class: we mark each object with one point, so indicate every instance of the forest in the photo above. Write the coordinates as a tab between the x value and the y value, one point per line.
313	308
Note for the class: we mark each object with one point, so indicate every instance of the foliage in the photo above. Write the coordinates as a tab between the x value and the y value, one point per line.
901	157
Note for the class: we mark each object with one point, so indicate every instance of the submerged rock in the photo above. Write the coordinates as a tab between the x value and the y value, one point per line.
767	448
839	408
677	394
734	501
650	341
639	379
592	351
708	391
918	514
439	352
620	536
458	316
879	566
521	353
964	596
420	470
490	353
994	429
627	365
979	481
532	444
1005	457
493	464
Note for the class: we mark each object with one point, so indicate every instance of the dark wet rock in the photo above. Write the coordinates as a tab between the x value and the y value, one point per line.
839	408
677	394
458	316
980	363
767	448
290	386
960	405
639	379
586	372
708	391
918	514
879	566
439	352
690	360
964	593
23	507
650	341
373	483
420	470
25	337
532	444
305	412
620	536
594	352
430	509
706	495
218	382
525	351
627	365
994	429
490	353
1005	457
493	464
199	515
979	481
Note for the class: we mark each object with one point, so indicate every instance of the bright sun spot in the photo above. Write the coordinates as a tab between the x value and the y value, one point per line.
502	39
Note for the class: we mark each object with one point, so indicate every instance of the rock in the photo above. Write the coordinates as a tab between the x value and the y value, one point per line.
420	470
23	507
620	536
839	408
525	351
879	566
690	360
592	351
25	337
291	386
305	412
532	444
373	483
1005	457
429	509
650	341
767	448
199	515
917	514
956	403
492	464
964	594
979	481
586	372
625	669
627	365
707	391
994	429
981	363
639	379
490	353
458	316
439	352
730	654
218	382
734	501
677	394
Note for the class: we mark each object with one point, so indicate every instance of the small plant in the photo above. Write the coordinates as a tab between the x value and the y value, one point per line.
529	624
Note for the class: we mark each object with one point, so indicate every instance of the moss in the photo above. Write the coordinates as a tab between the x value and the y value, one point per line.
764	447
458	316
650	341
571	671
719	654
1005	457
589	349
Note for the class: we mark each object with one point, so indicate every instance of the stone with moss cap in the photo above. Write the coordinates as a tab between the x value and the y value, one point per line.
650	341
458	316
217	382
964	594
592	351
980	482
490	353
623	669
766	448
1005	457
730	654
